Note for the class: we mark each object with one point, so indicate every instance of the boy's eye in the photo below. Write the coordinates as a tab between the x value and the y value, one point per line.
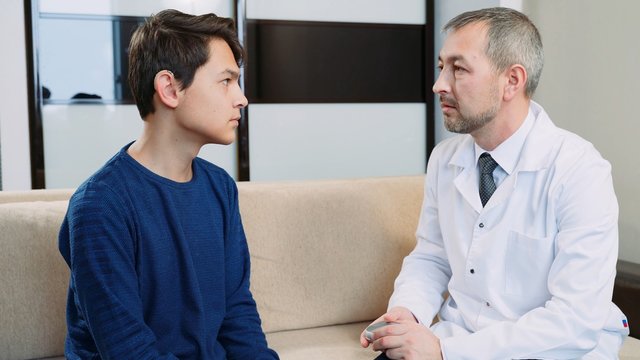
225	82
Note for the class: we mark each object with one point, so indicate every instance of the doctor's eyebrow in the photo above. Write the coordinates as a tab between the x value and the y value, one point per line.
453	58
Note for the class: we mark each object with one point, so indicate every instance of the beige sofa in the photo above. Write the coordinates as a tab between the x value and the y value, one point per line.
324	256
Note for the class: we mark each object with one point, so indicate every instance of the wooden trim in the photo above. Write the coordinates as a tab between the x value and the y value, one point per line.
242	141
34	96
429	62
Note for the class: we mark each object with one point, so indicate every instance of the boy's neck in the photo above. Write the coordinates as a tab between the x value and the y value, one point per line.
163	151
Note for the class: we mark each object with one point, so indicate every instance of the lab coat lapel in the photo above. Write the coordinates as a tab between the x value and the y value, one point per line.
537	154
463	163
503	191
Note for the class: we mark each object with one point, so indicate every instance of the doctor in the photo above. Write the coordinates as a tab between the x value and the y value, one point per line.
519	221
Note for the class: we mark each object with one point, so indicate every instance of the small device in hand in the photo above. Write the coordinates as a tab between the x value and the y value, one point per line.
368	332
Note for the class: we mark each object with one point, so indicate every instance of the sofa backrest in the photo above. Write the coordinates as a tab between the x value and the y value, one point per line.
33	280
323	253
35	195
327	252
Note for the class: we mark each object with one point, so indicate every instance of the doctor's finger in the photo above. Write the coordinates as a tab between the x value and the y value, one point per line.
387	343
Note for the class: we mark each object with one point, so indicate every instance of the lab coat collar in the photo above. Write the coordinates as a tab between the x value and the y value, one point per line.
540	142
544	138
464	155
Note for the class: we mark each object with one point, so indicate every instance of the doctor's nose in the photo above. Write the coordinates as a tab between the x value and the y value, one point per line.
442	84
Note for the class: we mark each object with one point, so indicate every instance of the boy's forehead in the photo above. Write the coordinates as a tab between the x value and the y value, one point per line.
221	56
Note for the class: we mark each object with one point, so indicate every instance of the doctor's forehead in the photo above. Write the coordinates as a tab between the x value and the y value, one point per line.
466	44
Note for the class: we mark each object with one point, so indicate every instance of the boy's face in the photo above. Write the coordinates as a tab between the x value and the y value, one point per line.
209	109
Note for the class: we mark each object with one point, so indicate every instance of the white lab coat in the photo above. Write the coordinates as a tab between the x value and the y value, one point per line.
530	275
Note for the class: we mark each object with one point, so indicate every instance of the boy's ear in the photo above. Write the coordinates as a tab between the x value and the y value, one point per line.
167	88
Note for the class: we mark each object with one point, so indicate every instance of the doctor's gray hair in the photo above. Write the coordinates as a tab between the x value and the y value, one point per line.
511	39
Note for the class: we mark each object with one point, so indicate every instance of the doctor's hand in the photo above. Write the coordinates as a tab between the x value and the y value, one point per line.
407	340
395	314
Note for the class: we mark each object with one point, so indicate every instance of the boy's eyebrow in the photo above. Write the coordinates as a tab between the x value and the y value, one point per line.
232	73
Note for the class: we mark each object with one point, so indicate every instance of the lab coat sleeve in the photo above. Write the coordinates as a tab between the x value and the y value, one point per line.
580	279
425	271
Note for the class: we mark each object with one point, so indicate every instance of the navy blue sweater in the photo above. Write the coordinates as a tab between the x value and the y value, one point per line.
159	269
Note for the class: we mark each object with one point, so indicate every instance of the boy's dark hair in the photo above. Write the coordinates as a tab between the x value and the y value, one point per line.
178	42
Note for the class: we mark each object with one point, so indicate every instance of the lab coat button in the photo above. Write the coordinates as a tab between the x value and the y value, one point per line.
472	271
488	304
481	225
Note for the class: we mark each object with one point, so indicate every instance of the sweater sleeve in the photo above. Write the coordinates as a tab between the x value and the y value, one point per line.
241	332
97	242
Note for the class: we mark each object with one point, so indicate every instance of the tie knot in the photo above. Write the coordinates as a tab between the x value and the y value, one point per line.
487	164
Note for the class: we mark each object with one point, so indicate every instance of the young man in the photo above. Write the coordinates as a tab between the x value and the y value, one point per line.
519	221
154	240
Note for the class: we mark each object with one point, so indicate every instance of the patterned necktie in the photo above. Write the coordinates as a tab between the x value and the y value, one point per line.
487	186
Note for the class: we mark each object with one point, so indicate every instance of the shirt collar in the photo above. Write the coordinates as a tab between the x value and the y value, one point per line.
507	153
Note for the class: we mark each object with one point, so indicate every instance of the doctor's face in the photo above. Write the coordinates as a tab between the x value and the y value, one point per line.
467	84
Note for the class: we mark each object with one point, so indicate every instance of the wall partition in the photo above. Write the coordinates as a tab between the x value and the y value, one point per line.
336	89
81	111
0	164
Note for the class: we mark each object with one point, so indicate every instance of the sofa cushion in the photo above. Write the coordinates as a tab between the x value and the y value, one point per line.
327	252
34	280
630	349
342	342
329	342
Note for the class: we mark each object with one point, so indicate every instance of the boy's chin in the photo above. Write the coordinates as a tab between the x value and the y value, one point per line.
223	141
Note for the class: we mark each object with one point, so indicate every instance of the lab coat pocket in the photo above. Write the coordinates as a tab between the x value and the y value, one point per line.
528	260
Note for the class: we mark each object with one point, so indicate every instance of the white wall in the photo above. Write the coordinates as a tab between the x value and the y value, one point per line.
14	115
78	139
60	163
14	123
330	141
137	7
314	141
590	85
380	11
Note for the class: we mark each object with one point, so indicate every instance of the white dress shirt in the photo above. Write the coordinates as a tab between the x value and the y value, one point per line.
507	153
531	274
